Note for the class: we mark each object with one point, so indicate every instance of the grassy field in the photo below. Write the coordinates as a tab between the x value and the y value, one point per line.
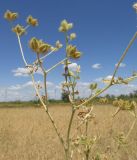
27	134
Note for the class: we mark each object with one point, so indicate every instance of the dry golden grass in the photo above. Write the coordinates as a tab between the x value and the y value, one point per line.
27	134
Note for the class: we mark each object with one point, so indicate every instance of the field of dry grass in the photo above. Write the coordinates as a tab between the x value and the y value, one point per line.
26	133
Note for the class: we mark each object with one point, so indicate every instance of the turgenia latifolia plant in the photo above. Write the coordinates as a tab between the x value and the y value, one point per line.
72	142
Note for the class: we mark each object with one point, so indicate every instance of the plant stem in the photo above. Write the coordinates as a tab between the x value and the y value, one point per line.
45	78
114	73
72	109
92	97
87	154
40	98
87	128
56	65
49	115
123	56
21	50
69	129
45	87
48	54
131	128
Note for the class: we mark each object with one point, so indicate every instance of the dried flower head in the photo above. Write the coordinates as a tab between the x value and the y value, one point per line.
65	26
38	46
72	36
32	21
19	30
72	52
135	6
10	16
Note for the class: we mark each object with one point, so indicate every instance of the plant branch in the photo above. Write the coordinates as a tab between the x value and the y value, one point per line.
48	54
56	65
40	98
131	128
21	50
49	115
92	97
69	127
123	56
45	77
115	71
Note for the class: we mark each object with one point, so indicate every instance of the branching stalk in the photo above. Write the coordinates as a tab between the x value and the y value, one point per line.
123	56
21	50
48	54
40	98
131	128
69	128
66	143
56	65
92	97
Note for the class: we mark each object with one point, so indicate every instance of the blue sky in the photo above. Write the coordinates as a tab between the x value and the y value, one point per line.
103	30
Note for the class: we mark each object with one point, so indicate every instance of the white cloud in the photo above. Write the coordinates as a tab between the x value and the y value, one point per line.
39	71
121	89
109	77
122	65
73	66
24	72
98	79
26	91
83	88
21	72
20	86
97	66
